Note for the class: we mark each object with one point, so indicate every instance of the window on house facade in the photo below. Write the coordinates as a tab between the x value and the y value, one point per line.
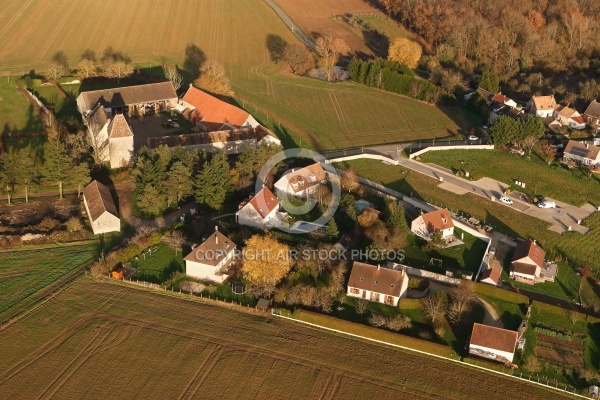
354	291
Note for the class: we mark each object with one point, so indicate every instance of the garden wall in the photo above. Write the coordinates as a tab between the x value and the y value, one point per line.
463	147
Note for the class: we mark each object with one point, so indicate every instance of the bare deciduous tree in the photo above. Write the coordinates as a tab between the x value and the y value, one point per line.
435	306
299	58
175	240
362	306
173	76
330	49
462	302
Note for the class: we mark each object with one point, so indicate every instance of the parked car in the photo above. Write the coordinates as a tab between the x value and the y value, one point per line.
492	250
546	204
473	138
506	200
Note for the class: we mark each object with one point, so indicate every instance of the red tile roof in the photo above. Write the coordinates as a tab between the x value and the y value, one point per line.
212	112
500	98
529	249
376	279
491	273
264	202
494	338
579	119
525	269
439	219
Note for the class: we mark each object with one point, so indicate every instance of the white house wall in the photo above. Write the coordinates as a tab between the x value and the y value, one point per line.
490	353
105	223
121	151
366	294
250	217
204	271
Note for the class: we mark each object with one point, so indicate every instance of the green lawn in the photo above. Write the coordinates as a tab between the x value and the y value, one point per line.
565	286
158	266
556	181
467	256
16	114
578	249
24	271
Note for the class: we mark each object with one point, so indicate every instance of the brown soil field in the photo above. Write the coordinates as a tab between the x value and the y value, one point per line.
97	339
319	17
559	342
559	358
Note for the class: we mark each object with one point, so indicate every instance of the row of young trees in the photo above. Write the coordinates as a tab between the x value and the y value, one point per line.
112	64
64	160
393	77
163	176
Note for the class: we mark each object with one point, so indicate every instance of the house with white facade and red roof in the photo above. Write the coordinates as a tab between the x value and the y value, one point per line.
424	225
260	210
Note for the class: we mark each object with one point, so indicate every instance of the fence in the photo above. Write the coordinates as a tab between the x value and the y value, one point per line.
364	155
185	295
473	364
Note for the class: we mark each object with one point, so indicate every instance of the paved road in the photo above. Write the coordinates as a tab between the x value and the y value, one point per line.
563	218
290	24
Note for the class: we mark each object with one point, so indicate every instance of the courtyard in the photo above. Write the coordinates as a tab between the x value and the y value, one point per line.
151	125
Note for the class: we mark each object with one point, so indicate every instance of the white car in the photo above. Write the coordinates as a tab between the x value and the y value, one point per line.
473	138
547	204
506	200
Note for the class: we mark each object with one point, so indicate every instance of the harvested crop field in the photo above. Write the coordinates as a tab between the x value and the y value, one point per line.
324	115
96	338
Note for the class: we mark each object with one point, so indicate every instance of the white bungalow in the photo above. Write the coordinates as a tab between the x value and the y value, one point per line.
301	182
426	224
260	211
210	259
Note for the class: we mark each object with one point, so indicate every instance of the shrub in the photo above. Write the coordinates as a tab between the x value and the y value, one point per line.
74	225
399	322
378	320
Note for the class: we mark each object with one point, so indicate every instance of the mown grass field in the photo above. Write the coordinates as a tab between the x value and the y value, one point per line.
326	116
557	182
577	248
24	271
96	338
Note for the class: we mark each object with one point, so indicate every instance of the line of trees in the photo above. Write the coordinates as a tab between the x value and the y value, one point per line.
112	64
393	77
163	177
64	160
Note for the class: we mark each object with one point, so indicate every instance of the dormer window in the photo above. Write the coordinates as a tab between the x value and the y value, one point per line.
376	282
392	286
361	279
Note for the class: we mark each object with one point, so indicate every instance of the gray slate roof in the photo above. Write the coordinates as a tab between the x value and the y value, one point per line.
99	200
123	96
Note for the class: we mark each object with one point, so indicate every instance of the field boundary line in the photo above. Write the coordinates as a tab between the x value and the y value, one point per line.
426	354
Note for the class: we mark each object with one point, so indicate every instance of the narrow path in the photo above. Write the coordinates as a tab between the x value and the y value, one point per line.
290	24
491	316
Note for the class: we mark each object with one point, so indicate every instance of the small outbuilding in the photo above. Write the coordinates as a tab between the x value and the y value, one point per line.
101	209
263	305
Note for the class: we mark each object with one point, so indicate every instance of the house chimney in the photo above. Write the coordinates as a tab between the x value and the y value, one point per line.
378	267
216	236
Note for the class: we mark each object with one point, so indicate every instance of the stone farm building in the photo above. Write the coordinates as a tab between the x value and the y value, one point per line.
260	210
493	343
301	182
101	209
211	114
104	111
210	259
373	283
424	225
140	99
233	141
